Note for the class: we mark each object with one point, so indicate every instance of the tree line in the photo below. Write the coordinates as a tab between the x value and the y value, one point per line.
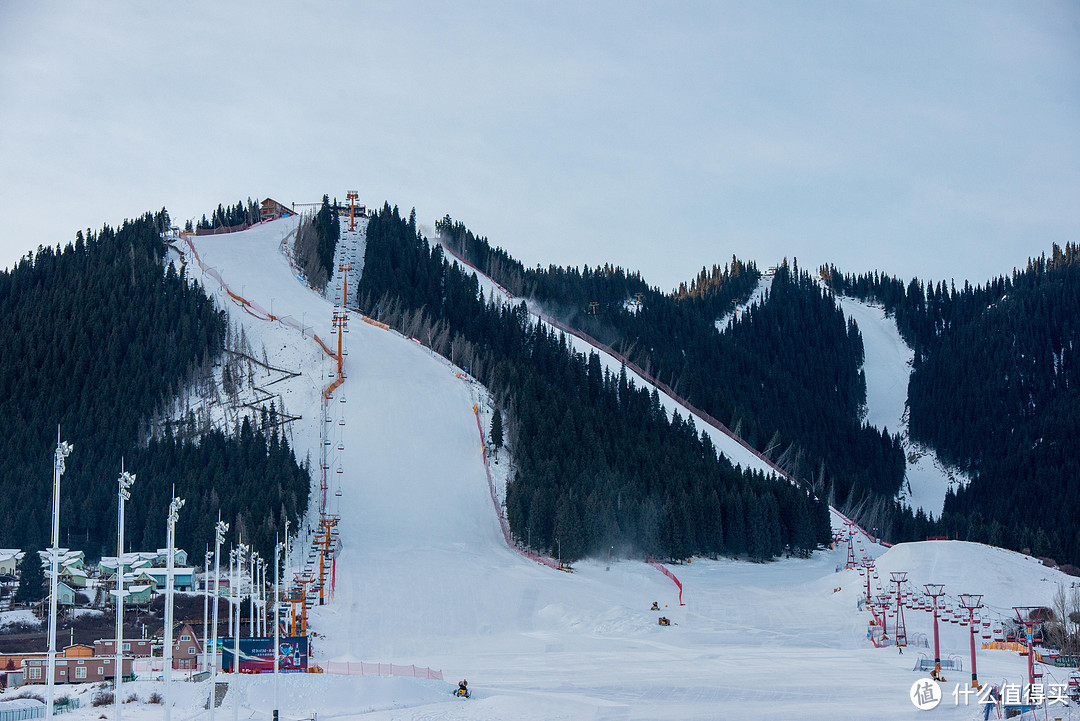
100	337
597	462
995	390
785	373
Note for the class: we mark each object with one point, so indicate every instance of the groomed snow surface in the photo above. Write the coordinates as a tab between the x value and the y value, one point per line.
887	367
425	577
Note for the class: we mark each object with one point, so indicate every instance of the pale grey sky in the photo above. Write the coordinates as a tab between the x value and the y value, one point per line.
926	139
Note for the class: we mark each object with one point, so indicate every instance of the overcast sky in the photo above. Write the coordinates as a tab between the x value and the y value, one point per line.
926	139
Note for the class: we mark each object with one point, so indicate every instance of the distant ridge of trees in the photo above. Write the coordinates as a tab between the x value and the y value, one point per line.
597	463
785	374
995	390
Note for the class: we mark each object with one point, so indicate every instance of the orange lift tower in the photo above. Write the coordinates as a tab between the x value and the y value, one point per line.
297	596
352	195
325	541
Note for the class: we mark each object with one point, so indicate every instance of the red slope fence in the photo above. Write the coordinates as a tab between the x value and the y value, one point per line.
663	569
503	524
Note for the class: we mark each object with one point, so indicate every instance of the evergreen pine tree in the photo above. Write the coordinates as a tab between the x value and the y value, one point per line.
496	430
31	579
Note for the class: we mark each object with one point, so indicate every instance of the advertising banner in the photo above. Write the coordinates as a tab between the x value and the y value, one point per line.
257	654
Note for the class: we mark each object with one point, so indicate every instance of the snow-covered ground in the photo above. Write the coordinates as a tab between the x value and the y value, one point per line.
424	576
888	367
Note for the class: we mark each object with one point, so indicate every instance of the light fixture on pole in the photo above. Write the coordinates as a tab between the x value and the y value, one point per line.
63	448
241	554
174	513
219	537
251	593
124	484
206	605
278	547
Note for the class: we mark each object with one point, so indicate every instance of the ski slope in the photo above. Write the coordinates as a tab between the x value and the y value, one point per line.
887	367
424	576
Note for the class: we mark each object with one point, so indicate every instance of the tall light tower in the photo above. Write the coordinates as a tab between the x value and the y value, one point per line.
274	616
241	554
219	537
206	605
124	484
251	595
899	577
972	601
63	448
935	591
174	513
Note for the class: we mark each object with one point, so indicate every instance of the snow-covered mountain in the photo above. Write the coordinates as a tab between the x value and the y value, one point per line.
425	577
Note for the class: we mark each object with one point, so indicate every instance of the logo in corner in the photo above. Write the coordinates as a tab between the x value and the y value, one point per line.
925	694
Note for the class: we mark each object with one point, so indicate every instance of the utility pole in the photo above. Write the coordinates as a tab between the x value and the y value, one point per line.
63	448
174	513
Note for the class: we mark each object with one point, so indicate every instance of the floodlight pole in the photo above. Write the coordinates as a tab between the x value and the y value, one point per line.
251	594
124	484
174	513
277	626
972	601
868	565
241	553
63	448
219	537
935	590
899	577
206	603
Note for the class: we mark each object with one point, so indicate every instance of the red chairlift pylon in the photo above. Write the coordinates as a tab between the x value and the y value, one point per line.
935	591
899	577
1029	616
972	601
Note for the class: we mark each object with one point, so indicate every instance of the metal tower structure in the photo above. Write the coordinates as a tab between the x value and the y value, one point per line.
899	577
352	195
972	601
1030	616
935	591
